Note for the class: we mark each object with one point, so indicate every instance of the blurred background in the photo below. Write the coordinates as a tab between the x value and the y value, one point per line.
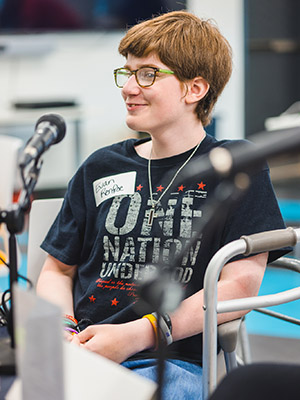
58	56
63	52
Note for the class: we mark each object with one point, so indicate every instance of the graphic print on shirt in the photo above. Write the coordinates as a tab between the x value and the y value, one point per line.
129	257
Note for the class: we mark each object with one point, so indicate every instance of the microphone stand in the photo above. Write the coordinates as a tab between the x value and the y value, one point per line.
14	220
155	293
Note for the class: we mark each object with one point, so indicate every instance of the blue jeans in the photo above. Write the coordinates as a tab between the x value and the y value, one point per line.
182	380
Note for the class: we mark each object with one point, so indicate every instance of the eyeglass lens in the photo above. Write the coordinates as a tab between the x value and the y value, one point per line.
145	76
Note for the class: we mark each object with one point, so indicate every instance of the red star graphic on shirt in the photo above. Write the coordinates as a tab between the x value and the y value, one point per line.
92	299
139	188
201	185
180	188
114	302
159	188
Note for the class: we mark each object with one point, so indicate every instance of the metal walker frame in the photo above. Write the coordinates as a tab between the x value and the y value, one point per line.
247	245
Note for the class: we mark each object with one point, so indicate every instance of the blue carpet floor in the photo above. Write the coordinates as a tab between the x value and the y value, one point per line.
275	281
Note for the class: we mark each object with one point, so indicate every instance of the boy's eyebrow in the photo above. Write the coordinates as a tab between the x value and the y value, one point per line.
141	65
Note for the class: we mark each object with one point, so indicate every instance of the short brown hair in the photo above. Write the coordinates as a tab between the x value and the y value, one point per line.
188	45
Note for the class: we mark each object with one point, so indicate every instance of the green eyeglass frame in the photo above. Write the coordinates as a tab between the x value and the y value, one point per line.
120	73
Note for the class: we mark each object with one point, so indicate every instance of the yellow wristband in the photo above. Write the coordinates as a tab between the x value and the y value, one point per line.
153	322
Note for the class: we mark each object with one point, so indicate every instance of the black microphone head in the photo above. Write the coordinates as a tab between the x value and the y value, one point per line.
56	120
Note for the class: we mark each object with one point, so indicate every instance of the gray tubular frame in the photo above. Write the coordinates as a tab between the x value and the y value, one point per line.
261	242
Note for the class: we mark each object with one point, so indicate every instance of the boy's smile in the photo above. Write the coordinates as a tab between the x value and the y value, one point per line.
155	108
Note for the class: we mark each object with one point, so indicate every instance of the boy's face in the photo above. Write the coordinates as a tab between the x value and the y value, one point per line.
157	108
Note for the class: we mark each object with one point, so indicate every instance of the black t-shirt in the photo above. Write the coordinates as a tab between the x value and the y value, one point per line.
103	228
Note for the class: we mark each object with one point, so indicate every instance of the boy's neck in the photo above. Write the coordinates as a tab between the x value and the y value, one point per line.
163	146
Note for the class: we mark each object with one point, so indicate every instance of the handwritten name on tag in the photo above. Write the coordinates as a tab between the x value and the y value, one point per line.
114	185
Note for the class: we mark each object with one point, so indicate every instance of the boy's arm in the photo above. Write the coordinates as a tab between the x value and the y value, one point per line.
55	284
118	342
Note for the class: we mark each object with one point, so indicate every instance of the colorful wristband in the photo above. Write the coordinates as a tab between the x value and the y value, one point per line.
72	331
152	319
70	324
71	318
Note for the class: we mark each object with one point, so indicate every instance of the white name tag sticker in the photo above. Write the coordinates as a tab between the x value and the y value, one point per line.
114	185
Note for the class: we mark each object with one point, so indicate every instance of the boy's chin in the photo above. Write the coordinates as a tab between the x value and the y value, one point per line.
133	125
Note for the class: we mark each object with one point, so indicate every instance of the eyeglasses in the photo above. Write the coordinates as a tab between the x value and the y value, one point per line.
145	76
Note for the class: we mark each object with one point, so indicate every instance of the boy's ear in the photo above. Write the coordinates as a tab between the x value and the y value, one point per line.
196	90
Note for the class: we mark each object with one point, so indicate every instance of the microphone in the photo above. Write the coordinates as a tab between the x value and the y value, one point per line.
243	155
49	129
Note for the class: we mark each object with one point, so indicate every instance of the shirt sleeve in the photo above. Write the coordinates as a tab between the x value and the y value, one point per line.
64	240
257	211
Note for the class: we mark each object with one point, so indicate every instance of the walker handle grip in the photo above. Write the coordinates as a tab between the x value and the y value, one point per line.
270	240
